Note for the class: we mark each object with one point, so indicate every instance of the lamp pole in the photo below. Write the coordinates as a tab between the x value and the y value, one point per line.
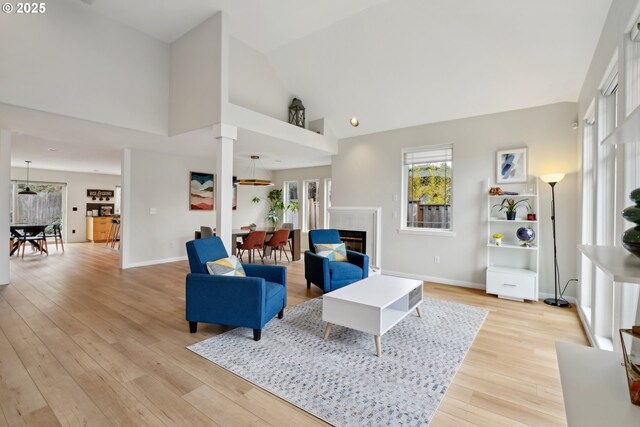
558	302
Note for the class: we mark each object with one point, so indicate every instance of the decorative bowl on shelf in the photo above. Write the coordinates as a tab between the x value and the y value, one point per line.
631	237
526	235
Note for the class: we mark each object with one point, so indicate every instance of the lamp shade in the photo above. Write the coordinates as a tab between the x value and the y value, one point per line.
552	178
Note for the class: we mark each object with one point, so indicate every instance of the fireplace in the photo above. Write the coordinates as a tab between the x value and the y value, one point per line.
354	240
359	228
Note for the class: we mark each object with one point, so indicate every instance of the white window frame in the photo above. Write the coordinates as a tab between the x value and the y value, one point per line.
305	203
404	229
327	201
288	215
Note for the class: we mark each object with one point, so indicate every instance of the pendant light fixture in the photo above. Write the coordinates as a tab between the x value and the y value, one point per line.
27	190
252	173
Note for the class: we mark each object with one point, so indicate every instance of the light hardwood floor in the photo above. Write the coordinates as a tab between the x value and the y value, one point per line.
84	343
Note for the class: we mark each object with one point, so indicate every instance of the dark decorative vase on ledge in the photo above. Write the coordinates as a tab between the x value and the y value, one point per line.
631	237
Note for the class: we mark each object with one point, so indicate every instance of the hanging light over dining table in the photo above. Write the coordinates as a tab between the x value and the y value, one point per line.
251	179
27	191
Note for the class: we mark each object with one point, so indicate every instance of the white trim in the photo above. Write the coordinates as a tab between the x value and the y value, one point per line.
427	232
585	327
153	262
375	258
439	280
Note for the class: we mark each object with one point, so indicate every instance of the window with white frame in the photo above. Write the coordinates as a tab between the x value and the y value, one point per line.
632	60
291	195
588	208
310	204
327	201
427	181
117	200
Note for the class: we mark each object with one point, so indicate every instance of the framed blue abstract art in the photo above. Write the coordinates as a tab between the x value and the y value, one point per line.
511	166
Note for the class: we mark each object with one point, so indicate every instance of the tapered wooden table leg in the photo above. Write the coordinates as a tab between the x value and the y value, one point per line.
378	345
418	311
327	330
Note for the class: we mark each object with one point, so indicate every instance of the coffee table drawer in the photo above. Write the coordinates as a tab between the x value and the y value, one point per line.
510	285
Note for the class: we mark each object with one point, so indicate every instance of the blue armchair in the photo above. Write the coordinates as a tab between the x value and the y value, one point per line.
332	275
230	300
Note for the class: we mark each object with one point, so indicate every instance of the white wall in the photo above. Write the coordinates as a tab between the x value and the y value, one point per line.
161	181
195	88
253	83
77	186
79	64
367	172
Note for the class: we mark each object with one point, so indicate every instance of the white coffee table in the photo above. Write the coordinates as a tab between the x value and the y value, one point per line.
372	305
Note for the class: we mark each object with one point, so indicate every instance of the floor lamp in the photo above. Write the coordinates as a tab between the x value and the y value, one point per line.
552	179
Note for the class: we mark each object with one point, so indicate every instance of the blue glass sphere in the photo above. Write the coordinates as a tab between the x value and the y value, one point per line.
526	235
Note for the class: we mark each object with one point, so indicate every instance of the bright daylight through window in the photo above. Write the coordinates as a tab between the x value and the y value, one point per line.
427	177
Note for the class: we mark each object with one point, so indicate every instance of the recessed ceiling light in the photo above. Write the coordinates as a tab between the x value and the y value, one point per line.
354	122
52	149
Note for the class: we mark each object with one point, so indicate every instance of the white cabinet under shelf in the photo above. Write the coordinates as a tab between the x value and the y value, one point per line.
512	269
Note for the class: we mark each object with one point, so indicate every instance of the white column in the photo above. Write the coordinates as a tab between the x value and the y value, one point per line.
125	209
5	221
225	136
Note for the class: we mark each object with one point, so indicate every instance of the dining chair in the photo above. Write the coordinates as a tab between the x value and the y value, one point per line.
57	234
205	231
253	241
36	237
279	241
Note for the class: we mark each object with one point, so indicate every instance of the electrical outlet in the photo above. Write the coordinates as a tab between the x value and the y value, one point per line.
436	259
73	231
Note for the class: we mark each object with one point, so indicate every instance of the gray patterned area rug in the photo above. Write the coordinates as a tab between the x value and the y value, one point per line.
341	380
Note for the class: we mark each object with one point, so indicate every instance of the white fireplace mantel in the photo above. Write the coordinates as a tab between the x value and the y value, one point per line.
365	219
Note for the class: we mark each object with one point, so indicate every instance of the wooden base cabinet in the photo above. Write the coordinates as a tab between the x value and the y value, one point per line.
98	228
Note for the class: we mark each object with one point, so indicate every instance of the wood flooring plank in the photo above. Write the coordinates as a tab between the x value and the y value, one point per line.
67	400
221	409
116	339
19	396
169	407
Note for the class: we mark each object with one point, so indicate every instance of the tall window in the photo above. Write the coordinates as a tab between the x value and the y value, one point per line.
427	182
327	201
633	68
44	208
310	204
117	200
291	195
588	209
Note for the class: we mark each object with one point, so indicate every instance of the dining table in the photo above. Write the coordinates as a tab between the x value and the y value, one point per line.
294	238
22	232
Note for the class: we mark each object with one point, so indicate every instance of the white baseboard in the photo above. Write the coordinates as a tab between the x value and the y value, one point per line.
152	262
444	281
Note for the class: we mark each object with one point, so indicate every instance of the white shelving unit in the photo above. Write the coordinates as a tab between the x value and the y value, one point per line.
512	269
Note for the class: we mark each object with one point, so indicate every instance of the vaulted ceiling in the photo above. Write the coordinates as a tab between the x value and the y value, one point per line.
397	63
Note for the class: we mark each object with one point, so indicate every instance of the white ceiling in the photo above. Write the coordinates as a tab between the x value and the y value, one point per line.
391	63
85	146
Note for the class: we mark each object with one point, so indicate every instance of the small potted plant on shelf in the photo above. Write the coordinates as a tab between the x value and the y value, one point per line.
252	227
497	239
510	206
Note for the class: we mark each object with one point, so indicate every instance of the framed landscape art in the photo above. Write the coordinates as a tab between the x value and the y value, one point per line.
201	191
511	166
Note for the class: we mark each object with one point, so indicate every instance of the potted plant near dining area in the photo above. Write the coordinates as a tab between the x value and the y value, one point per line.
276	206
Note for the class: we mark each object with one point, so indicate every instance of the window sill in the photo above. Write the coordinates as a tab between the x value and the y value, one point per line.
427	232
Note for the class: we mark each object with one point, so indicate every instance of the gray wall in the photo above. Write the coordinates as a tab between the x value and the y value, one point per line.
367	172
